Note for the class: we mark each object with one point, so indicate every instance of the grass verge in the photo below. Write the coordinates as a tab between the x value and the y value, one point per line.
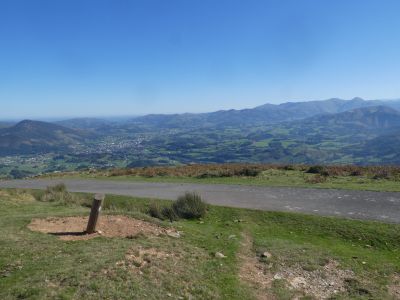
273	177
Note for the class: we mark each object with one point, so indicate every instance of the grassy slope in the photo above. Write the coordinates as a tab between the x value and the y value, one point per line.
39	266
277	178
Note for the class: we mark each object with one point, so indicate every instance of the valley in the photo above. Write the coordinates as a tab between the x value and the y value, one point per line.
331	131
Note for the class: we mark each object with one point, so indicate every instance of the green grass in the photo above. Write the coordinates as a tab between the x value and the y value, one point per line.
39	266
272	177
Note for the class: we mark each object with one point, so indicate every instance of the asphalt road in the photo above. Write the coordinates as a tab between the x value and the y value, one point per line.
381	206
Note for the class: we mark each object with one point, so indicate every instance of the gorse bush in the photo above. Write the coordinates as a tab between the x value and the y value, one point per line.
316	170
169	213
155	210
187	206
190	206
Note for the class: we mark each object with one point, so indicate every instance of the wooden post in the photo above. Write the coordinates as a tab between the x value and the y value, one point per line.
94	213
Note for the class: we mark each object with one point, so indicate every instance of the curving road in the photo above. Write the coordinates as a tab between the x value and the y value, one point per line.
380	206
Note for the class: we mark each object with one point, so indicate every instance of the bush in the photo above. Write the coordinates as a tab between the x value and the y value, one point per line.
356	173
318	170
169	213
155	210
189	206
288	168
248	172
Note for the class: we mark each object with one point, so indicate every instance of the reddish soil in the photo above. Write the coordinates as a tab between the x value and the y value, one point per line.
73	228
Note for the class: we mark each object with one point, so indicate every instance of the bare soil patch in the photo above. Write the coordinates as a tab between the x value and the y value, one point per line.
321	283
394	287
73	228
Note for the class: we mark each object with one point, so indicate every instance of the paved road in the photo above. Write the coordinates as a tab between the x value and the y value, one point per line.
382	206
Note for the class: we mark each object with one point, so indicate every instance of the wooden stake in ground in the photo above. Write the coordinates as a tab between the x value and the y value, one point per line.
94	213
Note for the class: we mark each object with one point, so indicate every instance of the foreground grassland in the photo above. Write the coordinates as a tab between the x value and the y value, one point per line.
365	255
379	178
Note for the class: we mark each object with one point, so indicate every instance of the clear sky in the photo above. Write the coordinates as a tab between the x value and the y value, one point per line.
127	57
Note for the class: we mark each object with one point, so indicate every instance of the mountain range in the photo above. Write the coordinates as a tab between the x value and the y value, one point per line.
328	131
264	114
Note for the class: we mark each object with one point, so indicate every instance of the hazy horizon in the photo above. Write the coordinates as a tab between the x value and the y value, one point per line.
121	116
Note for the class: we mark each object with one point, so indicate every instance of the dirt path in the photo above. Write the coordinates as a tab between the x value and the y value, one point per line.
381	206
252	272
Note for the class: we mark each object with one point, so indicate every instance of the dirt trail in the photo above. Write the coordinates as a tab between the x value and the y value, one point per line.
252	271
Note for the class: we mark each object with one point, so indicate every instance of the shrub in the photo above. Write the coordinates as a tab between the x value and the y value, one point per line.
169	213
288	168
356	173
155	210
249	172
321	170
190	206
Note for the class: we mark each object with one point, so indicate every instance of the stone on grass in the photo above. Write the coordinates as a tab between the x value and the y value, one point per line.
266	254
219	255
174	234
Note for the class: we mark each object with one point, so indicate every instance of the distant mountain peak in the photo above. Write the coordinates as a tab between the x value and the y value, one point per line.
28	124
357	99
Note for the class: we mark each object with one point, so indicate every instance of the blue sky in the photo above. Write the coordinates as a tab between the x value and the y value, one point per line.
96	58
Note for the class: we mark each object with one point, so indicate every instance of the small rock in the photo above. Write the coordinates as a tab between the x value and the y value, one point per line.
232	236
99	232
219	255
174	234
169	294
277	277
364	262
266	254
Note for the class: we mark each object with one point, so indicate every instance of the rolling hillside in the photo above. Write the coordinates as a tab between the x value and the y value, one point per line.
29	137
